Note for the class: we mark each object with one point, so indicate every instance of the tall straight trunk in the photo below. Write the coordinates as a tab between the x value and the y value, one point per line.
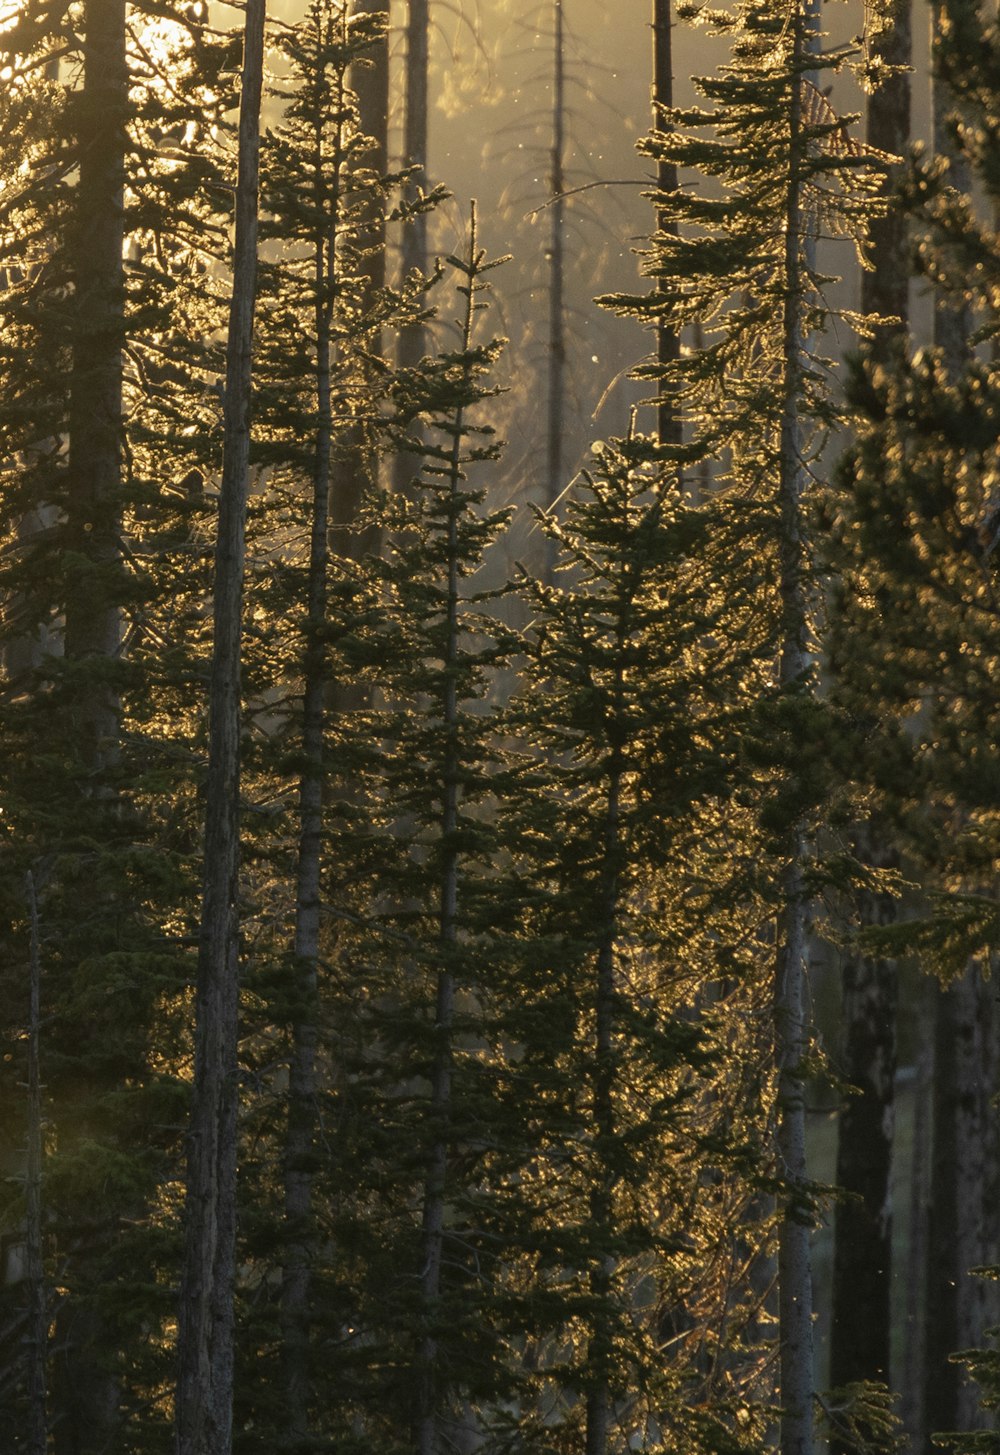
413	338
556	404
954	1117
862	1265
205	1333
296	1290
599	1410
354	471
85	1394
914	1354
794	1264
38	1331
668	421
430	1392
94	506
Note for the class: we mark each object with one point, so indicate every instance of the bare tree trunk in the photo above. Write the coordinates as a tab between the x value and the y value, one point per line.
354	470
93	510
668	422
915	1354
38	1331
794	1263
85	1393
428	1431
599	1411
412	338
296	1293
862	1273
860	1339
555	417
205	1336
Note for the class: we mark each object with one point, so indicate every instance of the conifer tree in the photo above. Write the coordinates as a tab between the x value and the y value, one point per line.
205	1330
753	394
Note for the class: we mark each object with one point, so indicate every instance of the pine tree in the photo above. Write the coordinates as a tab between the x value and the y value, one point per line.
205	1329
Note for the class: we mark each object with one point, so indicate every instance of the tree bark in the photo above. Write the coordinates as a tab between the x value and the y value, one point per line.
94	503
794	1263
206	1323
413	338
38	1333
555	429
862	1270
668	421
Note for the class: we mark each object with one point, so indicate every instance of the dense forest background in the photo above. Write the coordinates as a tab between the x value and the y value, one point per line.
498	722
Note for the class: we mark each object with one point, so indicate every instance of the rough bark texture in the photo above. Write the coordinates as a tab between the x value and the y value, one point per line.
668	420
205	1381
914	1359
794	1264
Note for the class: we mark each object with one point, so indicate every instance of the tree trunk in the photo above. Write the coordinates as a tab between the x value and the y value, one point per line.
794	1264
668	422
205	1336
38	1332
915	1358
412	338
555	427
860	1339
94	505
862	1269
428	1432
85	1393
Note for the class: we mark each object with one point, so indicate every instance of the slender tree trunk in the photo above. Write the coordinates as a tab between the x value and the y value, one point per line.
428	1426
915	1354
555	418
85	1393
38	1332
955	1122
354	470
205	1378
413	338
94	505
862	1271
794	1264
296	1292
599	1410
668	422
860	1340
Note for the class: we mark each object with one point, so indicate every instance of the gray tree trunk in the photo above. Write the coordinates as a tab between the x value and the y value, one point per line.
556	404
413	338
668	422
38	1322
85	1393
94	506
794	1263
862	1272
205	1335
431	1391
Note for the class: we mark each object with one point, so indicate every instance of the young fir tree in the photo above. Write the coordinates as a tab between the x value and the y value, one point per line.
756	400
629	1137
